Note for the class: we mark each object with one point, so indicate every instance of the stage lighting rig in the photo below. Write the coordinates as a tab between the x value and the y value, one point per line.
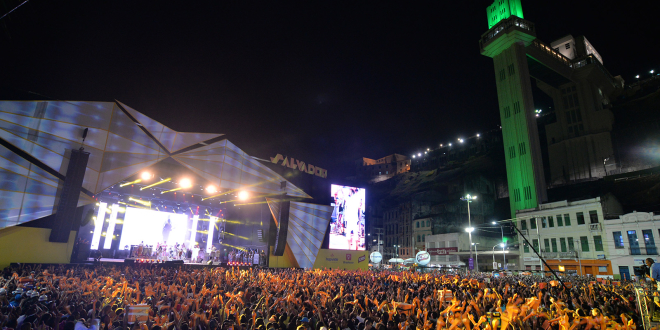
146	176
157	183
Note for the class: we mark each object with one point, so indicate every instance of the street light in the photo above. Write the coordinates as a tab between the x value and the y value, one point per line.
503	255
469	198
503	243
476	256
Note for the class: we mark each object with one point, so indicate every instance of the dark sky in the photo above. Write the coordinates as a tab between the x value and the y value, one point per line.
322	81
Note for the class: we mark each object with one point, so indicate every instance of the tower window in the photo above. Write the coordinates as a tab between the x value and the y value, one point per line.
568	45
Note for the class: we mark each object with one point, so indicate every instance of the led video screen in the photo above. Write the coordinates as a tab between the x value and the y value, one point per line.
153	227
347	227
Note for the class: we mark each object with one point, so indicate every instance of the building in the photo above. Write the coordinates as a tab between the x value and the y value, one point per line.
381	169
569	70
398	232
453	250
509	41
580	140
567	234
630	239
421	228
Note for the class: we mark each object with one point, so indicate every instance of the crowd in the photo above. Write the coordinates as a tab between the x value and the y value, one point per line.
182	298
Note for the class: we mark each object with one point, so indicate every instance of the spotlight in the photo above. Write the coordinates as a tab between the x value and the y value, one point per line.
185	183
145	176
243	195
211	189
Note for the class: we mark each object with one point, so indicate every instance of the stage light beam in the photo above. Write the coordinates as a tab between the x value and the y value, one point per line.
132	182
157	183
211	189
146	176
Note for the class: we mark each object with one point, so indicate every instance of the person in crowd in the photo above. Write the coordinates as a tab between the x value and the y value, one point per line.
102	297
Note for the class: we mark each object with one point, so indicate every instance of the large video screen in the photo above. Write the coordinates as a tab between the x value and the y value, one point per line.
347	227
152	227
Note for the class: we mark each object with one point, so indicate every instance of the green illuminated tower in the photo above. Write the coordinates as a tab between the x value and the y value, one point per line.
506	41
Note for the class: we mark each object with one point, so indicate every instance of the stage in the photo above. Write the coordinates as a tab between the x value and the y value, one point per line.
174	263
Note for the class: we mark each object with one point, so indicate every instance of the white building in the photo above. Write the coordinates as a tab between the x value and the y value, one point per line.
453	250
568	234
630	240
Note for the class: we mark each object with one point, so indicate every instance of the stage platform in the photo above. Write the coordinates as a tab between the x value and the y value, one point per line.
176	263
122	262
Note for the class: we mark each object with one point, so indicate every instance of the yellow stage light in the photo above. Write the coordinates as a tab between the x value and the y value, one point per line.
139	201
211	189
171	190
132	182
185	183
146	176
157	183
243	195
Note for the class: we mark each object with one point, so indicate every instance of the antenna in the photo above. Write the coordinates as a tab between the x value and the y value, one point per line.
84	135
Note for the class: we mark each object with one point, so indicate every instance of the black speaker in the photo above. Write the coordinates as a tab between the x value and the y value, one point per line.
129	261
282	229
66	208
87	218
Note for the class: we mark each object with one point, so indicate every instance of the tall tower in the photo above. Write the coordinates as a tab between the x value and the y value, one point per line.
506	41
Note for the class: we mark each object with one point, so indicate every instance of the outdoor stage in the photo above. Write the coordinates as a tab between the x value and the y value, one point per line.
174	263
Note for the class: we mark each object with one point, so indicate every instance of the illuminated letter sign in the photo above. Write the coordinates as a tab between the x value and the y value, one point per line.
299	165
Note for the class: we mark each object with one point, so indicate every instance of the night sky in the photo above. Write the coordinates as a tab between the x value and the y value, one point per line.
326	82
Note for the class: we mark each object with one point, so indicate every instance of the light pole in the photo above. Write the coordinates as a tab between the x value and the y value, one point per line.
503	243
503	255
468	198
469	230
476	256
494	264
396	255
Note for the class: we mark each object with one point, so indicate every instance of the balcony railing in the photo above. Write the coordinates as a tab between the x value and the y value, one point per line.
511	22
555	54
643	250
559	255
591	59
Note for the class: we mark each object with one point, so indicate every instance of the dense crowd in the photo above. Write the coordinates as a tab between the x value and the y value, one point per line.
180	298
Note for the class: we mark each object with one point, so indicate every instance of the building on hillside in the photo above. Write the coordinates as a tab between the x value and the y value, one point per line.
453	250
381	169
568	234
630	239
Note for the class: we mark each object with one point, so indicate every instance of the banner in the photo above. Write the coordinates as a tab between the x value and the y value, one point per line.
342	259
442	251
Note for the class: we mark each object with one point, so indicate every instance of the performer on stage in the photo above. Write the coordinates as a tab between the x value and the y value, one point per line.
140	249
195	253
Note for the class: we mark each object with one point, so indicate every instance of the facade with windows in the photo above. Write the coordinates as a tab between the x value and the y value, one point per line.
453	250
569	234
631	239
397	230
383	168
580	140
421	228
